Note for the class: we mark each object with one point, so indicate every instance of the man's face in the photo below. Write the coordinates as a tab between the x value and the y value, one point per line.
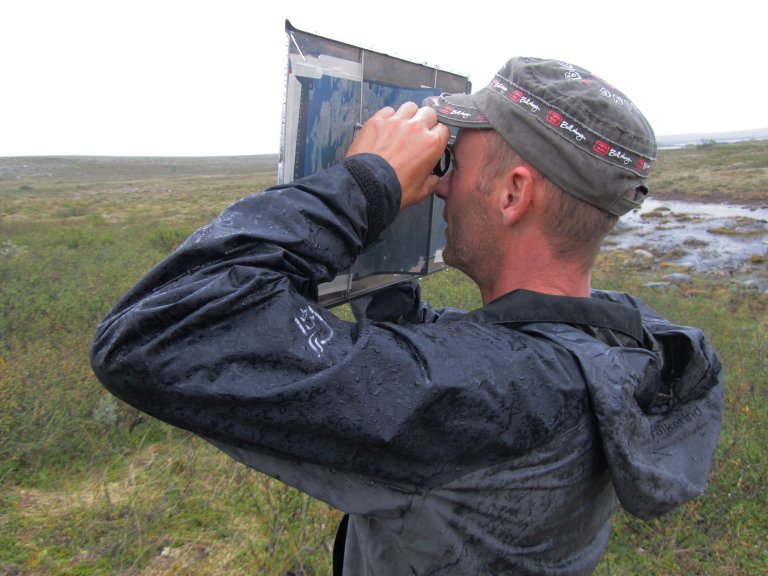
468	207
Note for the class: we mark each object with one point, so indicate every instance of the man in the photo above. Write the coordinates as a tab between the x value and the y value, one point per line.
488	442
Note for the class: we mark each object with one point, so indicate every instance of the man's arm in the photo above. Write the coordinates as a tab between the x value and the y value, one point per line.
224	337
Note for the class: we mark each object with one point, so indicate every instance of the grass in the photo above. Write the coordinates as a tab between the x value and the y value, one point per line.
721	532
90	486
735	173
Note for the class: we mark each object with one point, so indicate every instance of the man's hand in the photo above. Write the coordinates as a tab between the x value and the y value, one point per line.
411	140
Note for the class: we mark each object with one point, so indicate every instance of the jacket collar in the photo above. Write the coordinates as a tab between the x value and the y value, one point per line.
525	306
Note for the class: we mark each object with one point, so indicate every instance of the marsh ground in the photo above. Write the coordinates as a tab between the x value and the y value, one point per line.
89	486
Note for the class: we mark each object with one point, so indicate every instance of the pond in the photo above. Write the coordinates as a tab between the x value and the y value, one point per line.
709	238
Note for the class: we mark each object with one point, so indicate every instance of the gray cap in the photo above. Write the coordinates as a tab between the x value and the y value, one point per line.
576	129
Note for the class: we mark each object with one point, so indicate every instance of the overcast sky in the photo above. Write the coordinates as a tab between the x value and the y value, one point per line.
173	78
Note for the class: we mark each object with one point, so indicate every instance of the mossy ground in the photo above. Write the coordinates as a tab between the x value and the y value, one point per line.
90	486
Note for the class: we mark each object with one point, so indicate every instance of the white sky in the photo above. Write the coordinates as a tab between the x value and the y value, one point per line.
194	77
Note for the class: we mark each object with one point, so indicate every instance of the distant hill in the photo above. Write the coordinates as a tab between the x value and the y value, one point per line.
675	140
116	168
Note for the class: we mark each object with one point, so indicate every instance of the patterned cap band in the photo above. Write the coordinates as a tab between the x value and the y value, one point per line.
553	118
580	132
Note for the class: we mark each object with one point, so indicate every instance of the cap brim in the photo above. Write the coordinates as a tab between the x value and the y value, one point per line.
457	110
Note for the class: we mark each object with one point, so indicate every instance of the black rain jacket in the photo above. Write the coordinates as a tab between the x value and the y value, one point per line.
488	442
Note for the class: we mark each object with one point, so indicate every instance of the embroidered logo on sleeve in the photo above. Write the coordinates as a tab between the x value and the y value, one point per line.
315	328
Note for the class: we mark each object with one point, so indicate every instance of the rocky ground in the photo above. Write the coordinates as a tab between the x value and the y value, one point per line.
675	239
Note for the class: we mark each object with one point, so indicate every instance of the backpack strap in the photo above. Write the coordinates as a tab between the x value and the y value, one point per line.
338	546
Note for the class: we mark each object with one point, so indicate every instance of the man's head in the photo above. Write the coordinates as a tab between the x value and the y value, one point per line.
548	157
496	201
578	131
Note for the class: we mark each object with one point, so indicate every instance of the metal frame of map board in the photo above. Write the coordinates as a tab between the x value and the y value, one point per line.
331	89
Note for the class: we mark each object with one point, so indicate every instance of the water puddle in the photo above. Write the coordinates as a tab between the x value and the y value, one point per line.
708	238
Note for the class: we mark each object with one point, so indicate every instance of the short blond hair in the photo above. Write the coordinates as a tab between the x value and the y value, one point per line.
575	229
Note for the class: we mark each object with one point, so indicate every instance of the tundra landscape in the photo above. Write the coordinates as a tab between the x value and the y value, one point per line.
89	486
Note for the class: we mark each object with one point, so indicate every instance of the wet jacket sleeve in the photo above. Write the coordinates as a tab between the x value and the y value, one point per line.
224	339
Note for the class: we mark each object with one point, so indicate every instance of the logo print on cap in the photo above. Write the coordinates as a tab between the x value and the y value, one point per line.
642	165
498	85
554	118
601	148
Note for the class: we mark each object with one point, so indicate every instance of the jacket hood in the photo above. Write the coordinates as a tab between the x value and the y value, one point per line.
656	391
660	425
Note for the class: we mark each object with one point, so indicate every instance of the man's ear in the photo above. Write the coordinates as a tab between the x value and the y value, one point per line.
516	194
